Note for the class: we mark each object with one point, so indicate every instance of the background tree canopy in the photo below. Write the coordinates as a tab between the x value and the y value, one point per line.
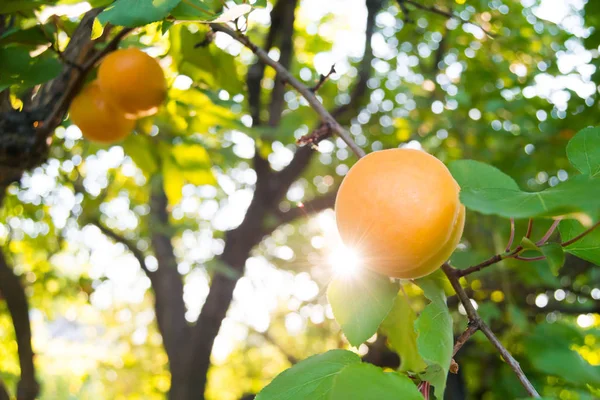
192	259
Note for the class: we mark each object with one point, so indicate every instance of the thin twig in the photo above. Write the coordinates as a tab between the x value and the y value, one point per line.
296	84
510	360
462	339
529	228
323	79
512	235
537	258
475	319
581	235
439	11
549	233
490	261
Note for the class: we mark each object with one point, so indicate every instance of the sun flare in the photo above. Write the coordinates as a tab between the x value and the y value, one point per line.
344	261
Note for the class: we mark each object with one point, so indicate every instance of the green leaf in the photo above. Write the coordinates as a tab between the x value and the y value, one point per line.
194	162
18	68
31	36
368	382
312	378
435	338
489	191
141	151
360	303
195	10
578	194
528	244
583	151
207	64
13	6
399	327
555	255
549	350
173	180
134	13
588	247
472	174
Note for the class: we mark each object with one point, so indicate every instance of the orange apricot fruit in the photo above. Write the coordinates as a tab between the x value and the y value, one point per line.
399	210
133	81
98	119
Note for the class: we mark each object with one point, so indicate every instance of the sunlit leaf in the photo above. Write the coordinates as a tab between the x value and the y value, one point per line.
134	13
312	378
368	382
360	303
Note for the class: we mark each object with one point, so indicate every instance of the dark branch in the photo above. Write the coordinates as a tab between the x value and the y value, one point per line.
439	11
295	83
16	300
308	208
475	319
286	49
323	79
137	253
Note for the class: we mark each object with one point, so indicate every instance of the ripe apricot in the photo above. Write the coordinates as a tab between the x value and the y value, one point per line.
98	119
399	209
133	81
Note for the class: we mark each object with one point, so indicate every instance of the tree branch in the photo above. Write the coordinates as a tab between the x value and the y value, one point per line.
137	253
286	48
308	208
296	84
466	335
167	285
439	11
475	319
16	300
3	392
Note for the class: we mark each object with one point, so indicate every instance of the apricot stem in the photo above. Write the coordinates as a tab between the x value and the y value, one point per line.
512	235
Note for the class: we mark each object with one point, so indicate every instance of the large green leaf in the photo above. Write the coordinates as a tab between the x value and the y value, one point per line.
338	375
360	303
549	349
587	248
555	255
368	382
19	68
497	194
435	338
472	174
399	327
312	378
134	13
583	151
